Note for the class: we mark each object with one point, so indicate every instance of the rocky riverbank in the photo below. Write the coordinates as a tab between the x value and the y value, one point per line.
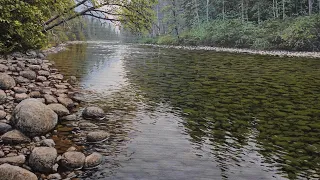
242	51
34	99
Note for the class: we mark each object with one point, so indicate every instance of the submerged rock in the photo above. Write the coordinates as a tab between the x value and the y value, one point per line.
42	159
9	172
33	117
6	81
72	160
93	113
97	136
93	160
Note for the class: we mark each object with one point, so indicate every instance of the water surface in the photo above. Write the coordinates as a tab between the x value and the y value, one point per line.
179	114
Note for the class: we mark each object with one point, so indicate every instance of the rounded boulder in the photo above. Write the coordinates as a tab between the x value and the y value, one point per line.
9	172
42	159
6	81
93	113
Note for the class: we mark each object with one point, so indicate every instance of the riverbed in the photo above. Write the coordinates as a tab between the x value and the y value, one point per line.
197	114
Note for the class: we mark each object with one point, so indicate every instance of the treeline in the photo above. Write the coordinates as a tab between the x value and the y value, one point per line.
258	24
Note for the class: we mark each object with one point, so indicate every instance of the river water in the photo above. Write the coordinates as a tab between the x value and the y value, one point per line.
198	115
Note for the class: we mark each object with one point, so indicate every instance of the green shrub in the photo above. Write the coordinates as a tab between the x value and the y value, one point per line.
167	40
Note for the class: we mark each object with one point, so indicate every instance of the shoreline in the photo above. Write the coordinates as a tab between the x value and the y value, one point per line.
303	54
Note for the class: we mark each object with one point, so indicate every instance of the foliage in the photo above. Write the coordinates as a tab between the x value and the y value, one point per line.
171	40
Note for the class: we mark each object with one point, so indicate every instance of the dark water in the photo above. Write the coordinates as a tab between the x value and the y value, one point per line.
178	114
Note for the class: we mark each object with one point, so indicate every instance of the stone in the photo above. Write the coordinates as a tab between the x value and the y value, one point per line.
93	113
14	160
20	97
72	160
44	73
35	67
50	99
31	75
93	160
59	109
6	81
35	94
14	137
72	80
4	127
97	136
2	114
41	78
59	86
55	176
67	102
71	117
33	117
72	148
9	172
21	79
3	68
58	76
3	97
48	143
87	125
21	64
20	90
31	53
1	154
42	159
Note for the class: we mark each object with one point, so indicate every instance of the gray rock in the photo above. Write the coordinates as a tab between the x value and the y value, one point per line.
44	73
97	136
58	76
35	67
93	113
50	99
48	143
31	53
6	81
33	117
3	68
21	79
93	160
87	125
14	160
59	109
31	75
71	117
2	114
3	97
1	154
17	54
35	94
42	159
67	102
4	127
72	80
72	160
9	172
20	97
41	78
14	137
54	176
20	90
21	64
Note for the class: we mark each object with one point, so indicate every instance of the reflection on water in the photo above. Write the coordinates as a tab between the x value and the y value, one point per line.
178	114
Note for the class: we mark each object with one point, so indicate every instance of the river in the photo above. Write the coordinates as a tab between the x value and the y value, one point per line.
198	115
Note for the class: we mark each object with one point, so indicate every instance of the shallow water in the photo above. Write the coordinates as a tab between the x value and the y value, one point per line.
179	114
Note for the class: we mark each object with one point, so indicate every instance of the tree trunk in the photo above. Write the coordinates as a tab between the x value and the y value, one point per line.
283	9
207	10
223	10
310	7
175	18
197	12
273	9
259	16
242	10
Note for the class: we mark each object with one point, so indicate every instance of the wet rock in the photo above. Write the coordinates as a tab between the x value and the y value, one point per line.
4	127
93	160
42	159
48	143
97	136
67	102
14	160
3	68
55	176
31	75
44	73
41	78
72	160
72	80
71	117
3	97
59	86
6	81
87	125
2	114
93	113
59	109
9	172
20	90
20	97
58	76
50	99
14	137
33	117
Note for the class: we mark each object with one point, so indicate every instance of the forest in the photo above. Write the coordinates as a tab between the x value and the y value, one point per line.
258	24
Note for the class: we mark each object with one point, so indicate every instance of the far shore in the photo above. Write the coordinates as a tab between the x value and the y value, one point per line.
243	51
